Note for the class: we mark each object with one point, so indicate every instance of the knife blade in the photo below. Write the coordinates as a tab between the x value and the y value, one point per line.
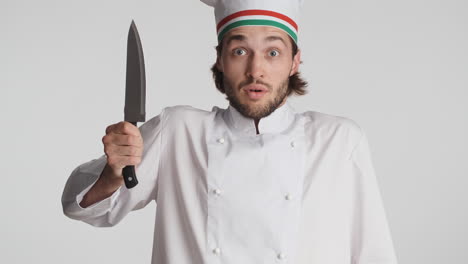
135	92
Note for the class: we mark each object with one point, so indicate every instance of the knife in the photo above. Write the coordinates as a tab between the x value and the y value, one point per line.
135	92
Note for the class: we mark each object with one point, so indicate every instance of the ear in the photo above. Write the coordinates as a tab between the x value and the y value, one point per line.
296	62
219	64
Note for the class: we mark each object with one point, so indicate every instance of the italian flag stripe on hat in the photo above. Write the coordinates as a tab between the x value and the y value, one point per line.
282	14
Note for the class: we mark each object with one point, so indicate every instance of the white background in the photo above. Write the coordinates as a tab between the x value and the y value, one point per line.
398	68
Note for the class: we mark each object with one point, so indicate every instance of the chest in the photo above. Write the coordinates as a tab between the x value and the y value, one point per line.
239	193
242	198
252	175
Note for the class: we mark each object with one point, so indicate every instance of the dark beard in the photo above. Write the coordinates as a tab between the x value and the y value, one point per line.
264	111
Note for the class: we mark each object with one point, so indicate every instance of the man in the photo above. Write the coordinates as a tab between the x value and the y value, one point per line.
253	183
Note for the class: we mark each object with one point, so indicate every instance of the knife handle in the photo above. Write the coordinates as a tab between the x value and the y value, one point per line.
129	174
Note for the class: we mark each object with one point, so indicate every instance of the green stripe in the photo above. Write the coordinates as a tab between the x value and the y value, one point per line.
257	22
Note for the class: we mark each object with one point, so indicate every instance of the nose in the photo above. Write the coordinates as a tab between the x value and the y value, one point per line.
255	67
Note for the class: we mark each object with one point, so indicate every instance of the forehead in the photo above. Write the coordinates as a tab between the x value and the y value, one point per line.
257	33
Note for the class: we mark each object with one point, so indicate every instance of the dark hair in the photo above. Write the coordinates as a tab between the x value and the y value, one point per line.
296	86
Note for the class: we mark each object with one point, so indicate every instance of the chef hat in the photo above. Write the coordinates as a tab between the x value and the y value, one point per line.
229	14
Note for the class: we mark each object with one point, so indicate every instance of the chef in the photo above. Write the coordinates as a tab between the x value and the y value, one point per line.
256	182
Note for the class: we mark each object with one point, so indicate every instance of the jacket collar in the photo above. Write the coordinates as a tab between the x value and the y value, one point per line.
276	122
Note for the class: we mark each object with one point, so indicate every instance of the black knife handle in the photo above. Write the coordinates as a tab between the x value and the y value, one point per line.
129	174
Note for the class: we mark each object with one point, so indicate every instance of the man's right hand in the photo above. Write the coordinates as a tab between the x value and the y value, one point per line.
123	146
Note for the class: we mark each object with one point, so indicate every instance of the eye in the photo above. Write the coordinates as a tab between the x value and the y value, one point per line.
274	53
239	52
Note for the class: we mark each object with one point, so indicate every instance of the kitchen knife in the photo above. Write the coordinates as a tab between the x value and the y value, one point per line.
135	92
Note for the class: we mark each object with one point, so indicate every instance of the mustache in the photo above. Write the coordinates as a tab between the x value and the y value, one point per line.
252	81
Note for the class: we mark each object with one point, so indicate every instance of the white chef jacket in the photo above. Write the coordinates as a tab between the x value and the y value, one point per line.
302	191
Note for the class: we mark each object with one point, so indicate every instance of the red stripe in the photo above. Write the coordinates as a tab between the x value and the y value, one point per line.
256	12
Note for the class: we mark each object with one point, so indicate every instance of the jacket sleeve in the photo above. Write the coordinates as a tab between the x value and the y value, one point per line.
113	209
371	238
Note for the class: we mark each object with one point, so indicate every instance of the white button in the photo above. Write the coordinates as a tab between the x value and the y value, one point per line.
217	191
288	197
217	251
221	140
281	256
293	144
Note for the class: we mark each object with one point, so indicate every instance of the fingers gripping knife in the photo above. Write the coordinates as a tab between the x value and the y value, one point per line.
135	92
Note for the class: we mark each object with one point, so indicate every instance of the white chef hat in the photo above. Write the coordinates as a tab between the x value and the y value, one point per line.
229	14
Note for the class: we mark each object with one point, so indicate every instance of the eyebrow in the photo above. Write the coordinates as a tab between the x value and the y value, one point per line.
242	38
235	37
273	38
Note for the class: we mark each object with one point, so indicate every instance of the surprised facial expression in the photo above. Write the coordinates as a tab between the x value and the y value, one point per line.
257	62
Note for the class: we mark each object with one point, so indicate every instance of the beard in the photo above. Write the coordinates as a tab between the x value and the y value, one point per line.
257	111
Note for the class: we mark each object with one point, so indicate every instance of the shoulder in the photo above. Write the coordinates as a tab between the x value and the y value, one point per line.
186	114
333	129
187	111
183	110
319	120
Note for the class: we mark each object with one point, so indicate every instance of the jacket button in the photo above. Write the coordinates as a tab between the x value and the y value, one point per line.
217	191
293	144
288	197
281	256
217	251
221	140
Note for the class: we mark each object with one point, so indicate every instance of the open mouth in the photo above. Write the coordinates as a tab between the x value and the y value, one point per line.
255	92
